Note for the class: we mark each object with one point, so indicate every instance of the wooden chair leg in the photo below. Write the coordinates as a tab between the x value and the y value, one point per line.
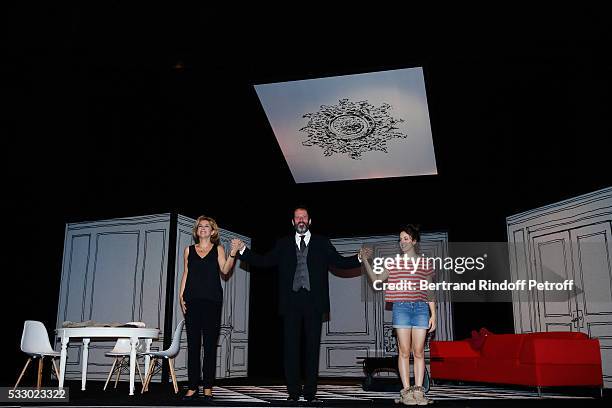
110	373
22	372
171	364
145	385
139	372
152	373
146	379
119	368
40	369
55	368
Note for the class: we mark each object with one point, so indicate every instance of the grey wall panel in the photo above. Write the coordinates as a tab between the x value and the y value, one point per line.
153	275
74	278
571	239
112	292
113	271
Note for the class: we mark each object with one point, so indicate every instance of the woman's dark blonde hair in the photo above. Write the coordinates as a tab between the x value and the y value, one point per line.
214	238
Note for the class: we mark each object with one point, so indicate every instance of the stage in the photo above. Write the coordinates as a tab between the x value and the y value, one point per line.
341	393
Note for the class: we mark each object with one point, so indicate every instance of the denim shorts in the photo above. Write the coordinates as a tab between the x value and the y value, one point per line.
410	315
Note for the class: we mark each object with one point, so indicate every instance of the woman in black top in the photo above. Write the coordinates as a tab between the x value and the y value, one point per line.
201	298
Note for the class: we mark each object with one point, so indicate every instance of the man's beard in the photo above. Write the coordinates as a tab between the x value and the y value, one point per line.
301	227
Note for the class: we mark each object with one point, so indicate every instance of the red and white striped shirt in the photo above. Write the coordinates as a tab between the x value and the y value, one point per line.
408	279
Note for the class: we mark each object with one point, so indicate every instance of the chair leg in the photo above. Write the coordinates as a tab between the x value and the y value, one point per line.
22	372
139	372
148	376
171	364
152	372
110	373
40	369
55	368
119	368
144	384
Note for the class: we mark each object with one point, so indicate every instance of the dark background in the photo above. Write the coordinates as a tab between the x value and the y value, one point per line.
115	111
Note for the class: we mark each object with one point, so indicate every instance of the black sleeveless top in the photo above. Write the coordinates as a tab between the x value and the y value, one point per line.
203	280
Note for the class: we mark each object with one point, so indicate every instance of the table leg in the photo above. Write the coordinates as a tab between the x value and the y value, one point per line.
133	362
63	361
85	354
147	356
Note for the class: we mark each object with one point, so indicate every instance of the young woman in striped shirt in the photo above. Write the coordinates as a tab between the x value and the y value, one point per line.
414	310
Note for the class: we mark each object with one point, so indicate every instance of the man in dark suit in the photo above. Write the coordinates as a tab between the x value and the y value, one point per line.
303	262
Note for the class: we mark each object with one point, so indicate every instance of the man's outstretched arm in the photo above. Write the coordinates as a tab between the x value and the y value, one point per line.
267	260
339	261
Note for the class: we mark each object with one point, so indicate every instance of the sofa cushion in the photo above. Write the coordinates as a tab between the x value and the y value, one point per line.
478	338
560	351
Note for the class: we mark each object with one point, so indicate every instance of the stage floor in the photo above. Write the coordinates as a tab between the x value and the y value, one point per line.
339	393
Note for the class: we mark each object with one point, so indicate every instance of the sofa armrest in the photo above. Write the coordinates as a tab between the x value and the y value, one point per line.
452	349
560	351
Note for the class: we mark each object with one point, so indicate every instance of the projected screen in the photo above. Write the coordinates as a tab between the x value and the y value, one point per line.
362	126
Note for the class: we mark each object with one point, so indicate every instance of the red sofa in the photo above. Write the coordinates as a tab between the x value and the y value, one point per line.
532	359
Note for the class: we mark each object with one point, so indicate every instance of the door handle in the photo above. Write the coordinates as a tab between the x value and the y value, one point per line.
574	321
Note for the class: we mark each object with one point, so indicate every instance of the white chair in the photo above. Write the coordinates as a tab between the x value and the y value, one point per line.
35	343
121	353
168	354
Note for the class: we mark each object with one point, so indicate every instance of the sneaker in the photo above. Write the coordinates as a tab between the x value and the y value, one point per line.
406	397
419	396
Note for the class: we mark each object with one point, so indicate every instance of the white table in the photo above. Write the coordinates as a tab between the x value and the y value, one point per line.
87	333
